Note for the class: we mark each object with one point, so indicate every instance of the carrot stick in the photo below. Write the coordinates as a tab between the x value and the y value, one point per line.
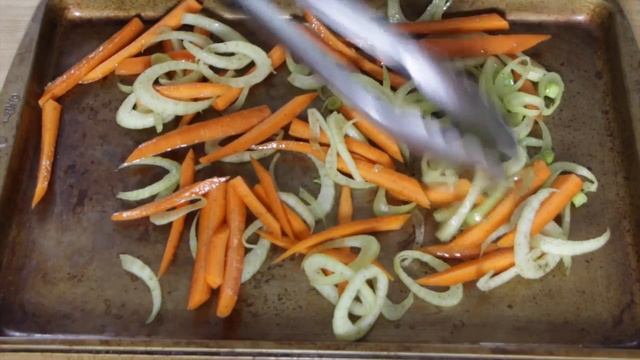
496	261
299	227
187	175
137	65
345	207
223	126
255	206
443	195
199	291
462	253
301	130
568	186
378	224
277	56
167	46
50	125
212	215
474	23
374	133
230	287
282	242
347	257
201	31
273	200
360	61
186	120
483	45
72	77
171	201
172	20
474	236
198	90
402	186
214	269
264	130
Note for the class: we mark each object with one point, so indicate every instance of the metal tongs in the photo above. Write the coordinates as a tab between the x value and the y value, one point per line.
477	136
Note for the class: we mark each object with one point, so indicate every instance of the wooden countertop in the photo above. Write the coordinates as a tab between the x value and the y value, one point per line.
15	15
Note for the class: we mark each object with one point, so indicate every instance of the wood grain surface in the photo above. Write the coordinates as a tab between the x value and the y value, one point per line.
15	15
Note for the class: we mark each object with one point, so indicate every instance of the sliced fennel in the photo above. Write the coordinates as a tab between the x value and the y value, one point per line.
168	181
381	207
144	273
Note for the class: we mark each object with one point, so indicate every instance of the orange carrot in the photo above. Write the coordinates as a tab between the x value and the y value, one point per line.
172	20
167	46
496	261
214	269
568	186
263	130
462	253
374	133
299	227
300	129
378	224
171	201
402	186
345	207
201	31
137	65
347	257
442	195
199	291
72	77
50	125
198	90
187	175
255	206
277	56
186	120
282	242
473	237
474	23
212	215
360	61
273	200
483	45
230	287
223	126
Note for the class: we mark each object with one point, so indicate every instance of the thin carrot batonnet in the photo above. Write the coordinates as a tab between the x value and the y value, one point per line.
474	23
213	214
483	45
50	124
137	65
74	75
172	20
568	186
264	129
189	91
374	133
218	128
299	227
496	261
345	206
234	258
171	201
187	176
273	200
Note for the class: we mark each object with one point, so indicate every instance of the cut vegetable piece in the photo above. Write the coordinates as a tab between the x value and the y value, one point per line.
74	75
347	257
387	223
255	206
568	186
374	133
301	218
199	290
189	91
450	297
563	247
223	126
345	206
474	23
130	118
137	65
273	200
263	130
183	195
215	256
471	239
443	195
144	273
301	130
236	218
277	57
483	45
213	214
255	258
381	207
360	61
50	124
168	181
186	120
171	20
449	229
187	175
496	261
